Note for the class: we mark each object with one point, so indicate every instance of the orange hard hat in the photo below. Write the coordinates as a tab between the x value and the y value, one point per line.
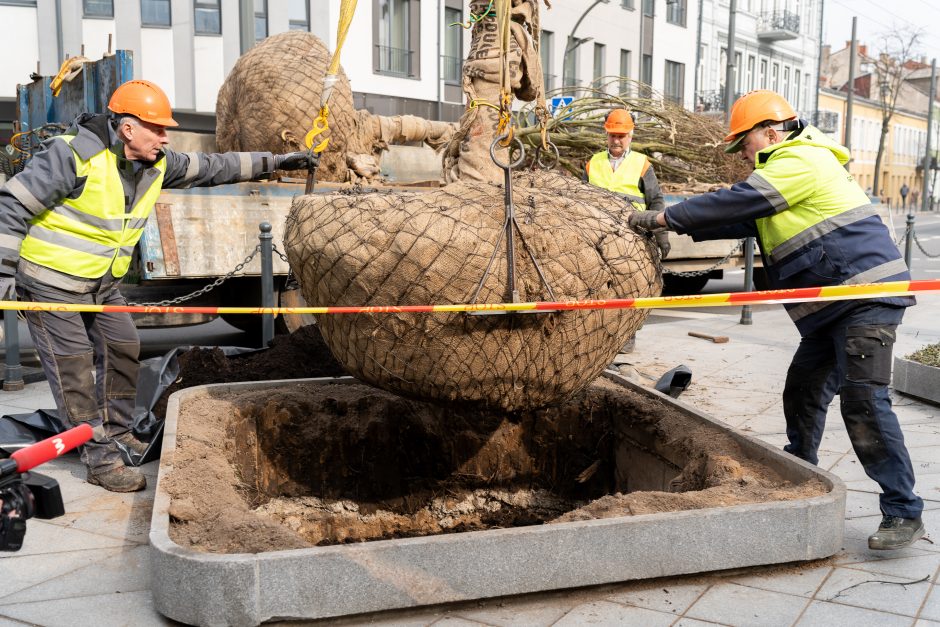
619	121
760	105
144	101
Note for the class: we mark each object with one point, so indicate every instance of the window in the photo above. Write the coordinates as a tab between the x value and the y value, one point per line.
738	74
570	69
207	17
625	62
749	78
546	51
453	45
396	25
298	12
98	8
649	8
627	4
261	19
786	82
154	12
775	77
763	74
24	3
675	12
599	52
796	89
675	82
646	74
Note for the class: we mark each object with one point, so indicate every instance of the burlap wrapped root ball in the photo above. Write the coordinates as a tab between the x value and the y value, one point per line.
414	248
270	98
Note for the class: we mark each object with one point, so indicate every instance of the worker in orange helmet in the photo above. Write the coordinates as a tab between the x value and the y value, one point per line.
69	223
816	227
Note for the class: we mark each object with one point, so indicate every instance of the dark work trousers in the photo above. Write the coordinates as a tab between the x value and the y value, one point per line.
852	357
91	361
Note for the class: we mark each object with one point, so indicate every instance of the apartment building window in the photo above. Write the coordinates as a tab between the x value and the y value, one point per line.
675	12
546	51
625	62
20	3
396	31
775	77
98	8
675	82
453	45
627	4
749	77
207	17
786	82
649	8
763	74
738	74
570	60
298	14
261	19
797	85
154	12
646	74
600	50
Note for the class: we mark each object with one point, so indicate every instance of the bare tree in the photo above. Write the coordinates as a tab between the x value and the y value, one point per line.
894	64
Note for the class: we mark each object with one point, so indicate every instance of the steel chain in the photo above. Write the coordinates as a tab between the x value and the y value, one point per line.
921	246
718	264
279	253
205	289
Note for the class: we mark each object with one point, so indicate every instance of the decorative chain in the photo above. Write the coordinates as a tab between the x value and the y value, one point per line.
921	246
279	253
207	288
717	264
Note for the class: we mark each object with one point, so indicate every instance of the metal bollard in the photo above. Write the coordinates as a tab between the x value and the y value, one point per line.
267	282
909	240
748	278
13	372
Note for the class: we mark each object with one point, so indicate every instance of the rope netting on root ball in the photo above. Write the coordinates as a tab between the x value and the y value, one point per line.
447	246
686	148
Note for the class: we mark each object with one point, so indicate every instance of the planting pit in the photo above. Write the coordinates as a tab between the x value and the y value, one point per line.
321	498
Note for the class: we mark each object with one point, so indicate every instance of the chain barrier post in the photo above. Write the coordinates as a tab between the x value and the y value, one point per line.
13	372
748	278
909	238
267	282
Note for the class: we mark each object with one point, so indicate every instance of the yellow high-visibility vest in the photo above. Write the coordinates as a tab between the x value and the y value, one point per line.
92	234
625	180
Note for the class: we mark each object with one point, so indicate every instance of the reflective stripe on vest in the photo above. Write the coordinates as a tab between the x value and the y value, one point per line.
625	180
88	235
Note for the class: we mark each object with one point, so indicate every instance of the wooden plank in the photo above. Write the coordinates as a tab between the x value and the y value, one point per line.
171	258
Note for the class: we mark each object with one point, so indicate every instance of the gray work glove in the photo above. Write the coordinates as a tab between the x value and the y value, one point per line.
662	240
7	288
644	221
301	160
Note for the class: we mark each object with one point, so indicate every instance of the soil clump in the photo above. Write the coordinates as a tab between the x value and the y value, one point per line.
303	465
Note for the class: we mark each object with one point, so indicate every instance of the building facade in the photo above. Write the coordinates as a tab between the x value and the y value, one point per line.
776	47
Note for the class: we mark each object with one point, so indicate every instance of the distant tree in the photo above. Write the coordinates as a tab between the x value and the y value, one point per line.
892	67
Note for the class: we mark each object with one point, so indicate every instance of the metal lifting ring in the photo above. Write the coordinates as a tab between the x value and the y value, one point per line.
514	142
554	156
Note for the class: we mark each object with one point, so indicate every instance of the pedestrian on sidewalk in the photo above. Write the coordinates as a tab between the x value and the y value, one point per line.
815	227
904	191
628	173
68	226
914	198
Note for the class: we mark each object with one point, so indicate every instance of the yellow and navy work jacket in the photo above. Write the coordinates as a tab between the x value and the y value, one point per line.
71	218
625	180
814	224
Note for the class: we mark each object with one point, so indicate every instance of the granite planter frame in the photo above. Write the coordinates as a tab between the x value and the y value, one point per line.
917	379
331	581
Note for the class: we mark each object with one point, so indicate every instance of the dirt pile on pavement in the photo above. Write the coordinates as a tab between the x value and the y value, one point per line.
304	465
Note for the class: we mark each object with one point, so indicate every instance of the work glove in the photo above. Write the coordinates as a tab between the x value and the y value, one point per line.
662	241
644	221
7	288
301	160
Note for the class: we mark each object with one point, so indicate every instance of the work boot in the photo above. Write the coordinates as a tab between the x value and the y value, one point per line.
896	533
128	441
118	479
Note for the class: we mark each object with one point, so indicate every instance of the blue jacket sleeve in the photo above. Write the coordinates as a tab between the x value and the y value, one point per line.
723	208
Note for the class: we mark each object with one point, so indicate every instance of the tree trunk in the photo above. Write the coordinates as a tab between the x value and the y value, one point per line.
876	185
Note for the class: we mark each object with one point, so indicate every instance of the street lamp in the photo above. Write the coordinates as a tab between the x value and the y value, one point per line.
571	43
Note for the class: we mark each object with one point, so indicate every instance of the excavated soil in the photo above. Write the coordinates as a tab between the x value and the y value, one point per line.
303	465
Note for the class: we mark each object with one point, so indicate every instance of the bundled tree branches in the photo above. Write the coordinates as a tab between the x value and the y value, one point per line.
686	148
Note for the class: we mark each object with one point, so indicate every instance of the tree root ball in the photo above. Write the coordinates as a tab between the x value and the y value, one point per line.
433	248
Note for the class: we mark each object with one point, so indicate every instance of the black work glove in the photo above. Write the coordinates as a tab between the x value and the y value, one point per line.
301	160
7	288
662	240
644	221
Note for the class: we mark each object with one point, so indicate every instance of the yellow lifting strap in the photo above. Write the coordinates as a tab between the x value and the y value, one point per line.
320	125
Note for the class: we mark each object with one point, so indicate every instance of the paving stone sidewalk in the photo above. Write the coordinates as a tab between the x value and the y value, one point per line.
91	566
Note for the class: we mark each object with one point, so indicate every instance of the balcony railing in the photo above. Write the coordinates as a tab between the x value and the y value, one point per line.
826	121
778	25
394	61
711	100
452	68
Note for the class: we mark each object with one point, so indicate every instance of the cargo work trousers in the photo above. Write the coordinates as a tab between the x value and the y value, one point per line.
91	361
852	357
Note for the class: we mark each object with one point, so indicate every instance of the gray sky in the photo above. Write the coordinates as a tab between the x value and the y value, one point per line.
876	16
